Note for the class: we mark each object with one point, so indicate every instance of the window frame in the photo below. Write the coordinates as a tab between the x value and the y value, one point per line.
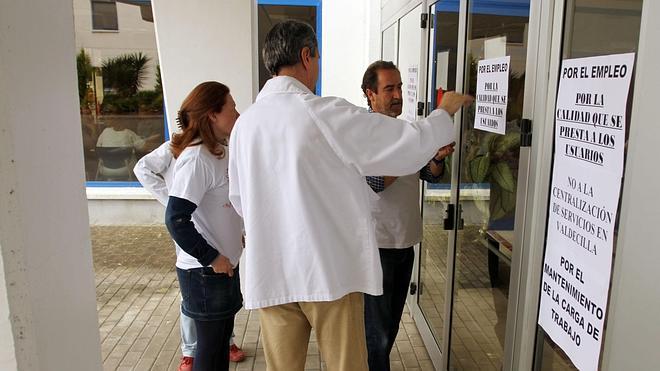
319	13
116	15
130	184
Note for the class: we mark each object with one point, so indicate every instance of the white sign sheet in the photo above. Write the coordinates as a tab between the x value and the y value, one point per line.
590	128
410	104
492	93
591	110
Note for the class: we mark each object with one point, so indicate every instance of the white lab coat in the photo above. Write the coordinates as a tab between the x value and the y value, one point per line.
155	171
296	174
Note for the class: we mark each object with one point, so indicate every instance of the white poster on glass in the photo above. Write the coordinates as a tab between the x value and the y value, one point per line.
591	110
410	113
588	164
492	93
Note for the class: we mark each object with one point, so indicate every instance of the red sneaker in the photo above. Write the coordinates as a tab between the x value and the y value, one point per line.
236	354
186	364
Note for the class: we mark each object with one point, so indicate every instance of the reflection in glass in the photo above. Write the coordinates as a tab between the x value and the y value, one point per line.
433	250
390	43
119	87
487	193
270	15
593	28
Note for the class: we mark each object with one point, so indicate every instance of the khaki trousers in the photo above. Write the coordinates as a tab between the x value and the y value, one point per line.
339	327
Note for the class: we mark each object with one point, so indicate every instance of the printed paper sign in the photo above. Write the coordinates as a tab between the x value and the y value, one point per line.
410	104
492	93
591	110
586	180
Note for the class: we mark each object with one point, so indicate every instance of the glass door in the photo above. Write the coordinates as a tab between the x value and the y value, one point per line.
469	218
592	28
487	189
433	269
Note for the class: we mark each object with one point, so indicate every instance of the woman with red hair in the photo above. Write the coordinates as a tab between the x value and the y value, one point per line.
204	224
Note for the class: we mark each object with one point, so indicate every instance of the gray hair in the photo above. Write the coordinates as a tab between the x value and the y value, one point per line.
284	42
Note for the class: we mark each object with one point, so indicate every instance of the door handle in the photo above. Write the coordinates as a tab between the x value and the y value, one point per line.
448	222
461	222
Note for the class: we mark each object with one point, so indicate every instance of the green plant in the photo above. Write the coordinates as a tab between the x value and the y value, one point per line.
144	101
125	74
84	67
492	158
114	103
159	80
150	100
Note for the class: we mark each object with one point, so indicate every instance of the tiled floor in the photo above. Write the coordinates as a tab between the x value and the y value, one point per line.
138	307
479	308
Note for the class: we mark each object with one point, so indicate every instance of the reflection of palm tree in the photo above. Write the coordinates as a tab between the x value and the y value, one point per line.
125	73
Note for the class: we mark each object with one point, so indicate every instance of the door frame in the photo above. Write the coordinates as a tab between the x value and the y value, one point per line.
545	28
550	15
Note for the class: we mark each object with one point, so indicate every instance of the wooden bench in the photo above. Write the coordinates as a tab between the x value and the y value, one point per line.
499	245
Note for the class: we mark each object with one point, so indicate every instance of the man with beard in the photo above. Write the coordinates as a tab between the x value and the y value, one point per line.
398	221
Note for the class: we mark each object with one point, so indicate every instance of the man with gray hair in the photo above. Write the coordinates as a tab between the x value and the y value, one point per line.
297	163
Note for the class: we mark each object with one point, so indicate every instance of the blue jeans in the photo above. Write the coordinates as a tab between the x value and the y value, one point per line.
211	300
382	314
189	336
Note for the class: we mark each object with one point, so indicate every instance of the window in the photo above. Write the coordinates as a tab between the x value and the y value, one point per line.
104	15
120	92
272	12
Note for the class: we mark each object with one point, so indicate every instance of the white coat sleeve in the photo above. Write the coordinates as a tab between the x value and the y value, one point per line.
151	169
234	180
377	144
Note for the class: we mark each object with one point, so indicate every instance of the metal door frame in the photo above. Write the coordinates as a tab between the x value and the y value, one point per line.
533	179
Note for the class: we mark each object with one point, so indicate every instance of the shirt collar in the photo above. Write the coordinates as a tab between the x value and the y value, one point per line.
283	84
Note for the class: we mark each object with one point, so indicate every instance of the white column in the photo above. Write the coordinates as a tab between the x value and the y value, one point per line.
201	40
48	314
350	42
632	332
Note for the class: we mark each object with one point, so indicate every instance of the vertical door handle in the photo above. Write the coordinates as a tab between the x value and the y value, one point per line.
449	218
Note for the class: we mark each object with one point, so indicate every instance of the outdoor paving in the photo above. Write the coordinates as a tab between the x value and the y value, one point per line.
479	310
138	308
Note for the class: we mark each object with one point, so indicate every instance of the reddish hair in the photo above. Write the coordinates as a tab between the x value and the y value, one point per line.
196	125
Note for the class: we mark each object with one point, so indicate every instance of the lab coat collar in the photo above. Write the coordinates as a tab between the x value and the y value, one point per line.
283	84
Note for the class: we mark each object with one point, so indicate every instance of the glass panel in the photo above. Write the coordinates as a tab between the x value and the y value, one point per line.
390	43
410	44
270	15
487	192
120	91
433	250
104	15
593	27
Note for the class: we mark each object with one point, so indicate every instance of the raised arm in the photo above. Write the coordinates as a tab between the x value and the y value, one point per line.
380	145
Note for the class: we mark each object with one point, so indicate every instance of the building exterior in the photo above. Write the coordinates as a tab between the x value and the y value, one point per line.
116	28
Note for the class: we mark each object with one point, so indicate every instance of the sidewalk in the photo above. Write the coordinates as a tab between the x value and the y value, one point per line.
138	307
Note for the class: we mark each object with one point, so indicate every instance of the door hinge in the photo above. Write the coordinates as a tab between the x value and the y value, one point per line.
413	288
420	108
423	19
448	223
526	133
